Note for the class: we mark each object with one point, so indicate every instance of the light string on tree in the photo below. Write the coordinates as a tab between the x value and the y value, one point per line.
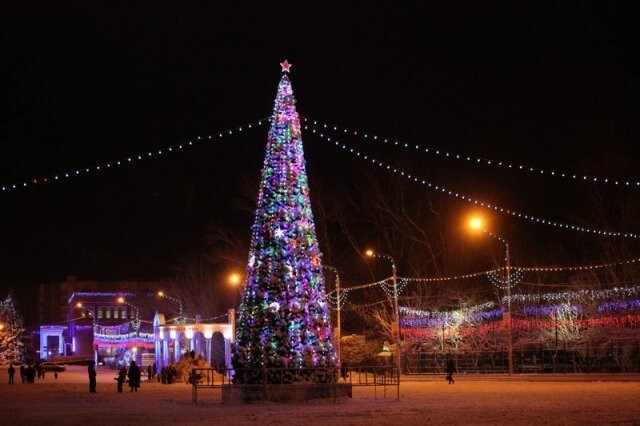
622	305
552	310
466	198
627	321
109	165
577	295
536	171
487	312
411	312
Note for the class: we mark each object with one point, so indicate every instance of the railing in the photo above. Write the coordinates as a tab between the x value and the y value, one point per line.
376	376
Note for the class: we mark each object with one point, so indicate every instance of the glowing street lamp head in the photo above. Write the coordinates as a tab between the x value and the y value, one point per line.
234	279
369	253
78	305
120	299
161	293
476	223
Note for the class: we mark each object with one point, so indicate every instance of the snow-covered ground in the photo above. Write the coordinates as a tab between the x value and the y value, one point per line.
471	400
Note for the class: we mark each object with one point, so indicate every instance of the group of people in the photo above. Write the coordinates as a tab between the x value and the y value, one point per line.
131	376
168	374
28	373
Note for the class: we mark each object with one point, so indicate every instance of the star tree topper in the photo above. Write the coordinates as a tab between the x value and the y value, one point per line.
285	66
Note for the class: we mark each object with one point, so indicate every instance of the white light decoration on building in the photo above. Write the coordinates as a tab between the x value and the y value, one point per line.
188	332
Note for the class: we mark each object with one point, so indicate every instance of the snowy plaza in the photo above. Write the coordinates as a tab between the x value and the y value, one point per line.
470	254
473	399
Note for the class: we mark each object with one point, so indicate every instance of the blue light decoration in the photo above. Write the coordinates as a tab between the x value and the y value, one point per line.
283	320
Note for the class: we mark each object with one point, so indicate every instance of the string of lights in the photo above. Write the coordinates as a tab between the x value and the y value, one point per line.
468	199
499	280
109	165
417	313
621	305
471	159
578	268
627	321
495	277
578	295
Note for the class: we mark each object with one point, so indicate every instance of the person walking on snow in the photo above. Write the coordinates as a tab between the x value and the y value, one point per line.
92	376
12	371
134	376
450	369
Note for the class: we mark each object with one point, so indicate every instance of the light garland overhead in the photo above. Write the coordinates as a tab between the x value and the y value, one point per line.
466	198
578	268
536	171
109	165
499	280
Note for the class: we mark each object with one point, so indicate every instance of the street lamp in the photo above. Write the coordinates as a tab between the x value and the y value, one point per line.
396	311
338	335
83	309
477	224
173	299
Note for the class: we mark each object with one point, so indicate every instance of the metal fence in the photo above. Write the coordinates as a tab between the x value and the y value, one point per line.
584	358
362	376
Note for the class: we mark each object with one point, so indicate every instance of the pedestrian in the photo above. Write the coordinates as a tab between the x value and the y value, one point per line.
92	376
44	370
23	373
30	373
451	368
122	377
12	371
55	375
155	370
163	375
134	377
149	372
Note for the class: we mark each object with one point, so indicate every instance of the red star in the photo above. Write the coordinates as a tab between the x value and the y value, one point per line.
285	66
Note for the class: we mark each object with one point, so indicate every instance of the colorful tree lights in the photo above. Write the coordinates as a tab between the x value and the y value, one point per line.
11	329
283	320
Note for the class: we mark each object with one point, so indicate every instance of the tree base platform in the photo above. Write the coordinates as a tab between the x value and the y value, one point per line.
285	393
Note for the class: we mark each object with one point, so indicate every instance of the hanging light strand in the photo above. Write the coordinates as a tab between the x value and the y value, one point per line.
466	198
471	159
578	268
108	165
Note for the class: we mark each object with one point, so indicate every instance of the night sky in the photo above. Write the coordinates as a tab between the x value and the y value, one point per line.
551	86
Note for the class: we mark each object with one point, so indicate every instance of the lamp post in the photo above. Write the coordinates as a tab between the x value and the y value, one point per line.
338	335
396	311
173	299
476	223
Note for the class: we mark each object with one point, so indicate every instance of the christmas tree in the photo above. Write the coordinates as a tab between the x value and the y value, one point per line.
11	329
283	320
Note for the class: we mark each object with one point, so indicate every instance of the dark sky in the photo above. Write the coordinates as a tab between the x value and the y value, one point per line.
551	85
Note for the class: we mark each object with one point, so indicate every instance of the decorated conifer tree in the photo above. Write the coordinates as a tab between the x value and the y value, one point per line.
283	320
11	329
